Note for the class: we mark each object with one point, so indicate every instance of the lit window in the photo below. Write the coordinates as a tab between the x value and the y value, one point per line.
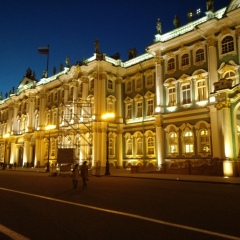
129	111
139	109
150	107
227	45
173	143
188	142
204	141
150	146
186	94
230	75
201	90
139	146
129	147
172	97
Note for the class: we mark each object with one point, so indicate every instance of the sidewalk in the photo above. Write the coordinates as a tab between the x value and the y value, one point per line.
175	177
127	173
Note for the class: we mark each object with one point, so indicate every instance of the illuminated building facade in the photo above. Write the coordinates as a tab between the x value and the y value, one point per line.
177	102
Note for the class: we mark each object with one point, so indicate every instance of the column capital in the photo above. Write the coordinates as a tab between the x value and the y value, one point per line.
158	60
221	105
211	42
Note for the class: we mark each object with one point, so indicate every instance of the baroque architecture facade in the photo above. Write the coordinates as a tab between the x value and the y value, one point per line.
178	102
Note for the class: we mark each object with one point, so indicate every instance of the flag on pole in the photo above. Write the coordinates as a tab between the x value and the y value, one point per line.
43	50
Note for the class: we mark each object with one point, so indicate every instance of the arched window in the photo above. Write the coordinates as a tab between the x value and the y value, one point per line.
150	146
199	55
171	64
188	142
129	146
139	143
204	141
173	143
185	60
227	44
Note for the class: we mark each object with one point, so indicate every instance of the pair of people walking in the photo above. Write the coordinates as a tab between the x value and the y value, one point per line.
83	173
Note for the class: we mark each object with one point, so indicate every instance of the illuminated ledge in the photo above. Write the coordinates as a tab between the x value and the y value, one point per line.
187	28
172	108
202	103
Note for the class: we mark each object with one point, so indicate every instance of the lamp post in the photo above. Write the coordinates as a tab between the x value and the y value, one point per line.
107	117
49	128
5	136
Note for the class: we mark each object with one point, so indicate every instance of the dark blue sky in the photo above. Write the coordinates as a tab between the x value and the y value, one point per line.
70	27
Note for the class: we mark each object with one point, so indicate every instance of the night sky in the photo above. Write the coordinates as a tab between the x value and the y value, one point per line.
71	27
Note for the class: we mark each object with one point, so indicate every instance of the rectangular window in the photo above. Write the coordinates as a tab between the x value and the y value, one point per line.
139	109
186	94
150	81
110	147
110	84
202	90
129	111
139	146
129	147
150	144
150	107
139	83
172	97
129	86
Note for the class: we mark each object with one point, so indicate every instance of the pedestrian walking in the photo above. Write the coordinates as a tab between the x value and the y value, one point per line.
75	176
84	174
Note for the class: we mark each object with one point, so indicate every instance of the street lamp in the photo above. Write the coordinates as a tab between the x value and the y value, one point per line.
5	136
107	117
49	128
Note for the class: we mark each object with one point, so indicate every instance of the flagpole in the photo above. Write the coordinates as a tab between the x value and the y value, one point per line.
48	59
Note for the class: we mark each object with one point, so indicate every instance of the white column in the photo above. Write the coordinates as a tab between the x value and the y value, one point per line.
119	101
225	130
42	117
212	63
119	147
13	152
215	132
159	83
30	124
26	150
85	87
160	146
15	122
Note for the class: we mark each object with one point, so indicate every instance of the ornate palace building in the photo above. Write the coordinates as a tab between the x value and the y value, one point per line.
179	102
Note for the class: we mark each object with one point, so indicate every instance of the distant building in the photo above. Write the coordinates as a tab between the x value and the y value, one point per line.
177	105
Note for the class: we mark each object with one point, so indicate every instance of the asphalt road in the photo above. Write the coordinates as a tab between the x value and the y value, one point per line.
39	206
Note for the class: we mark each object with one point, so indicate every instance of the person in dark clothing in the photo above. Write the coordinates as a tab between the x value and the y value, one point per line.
84	174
